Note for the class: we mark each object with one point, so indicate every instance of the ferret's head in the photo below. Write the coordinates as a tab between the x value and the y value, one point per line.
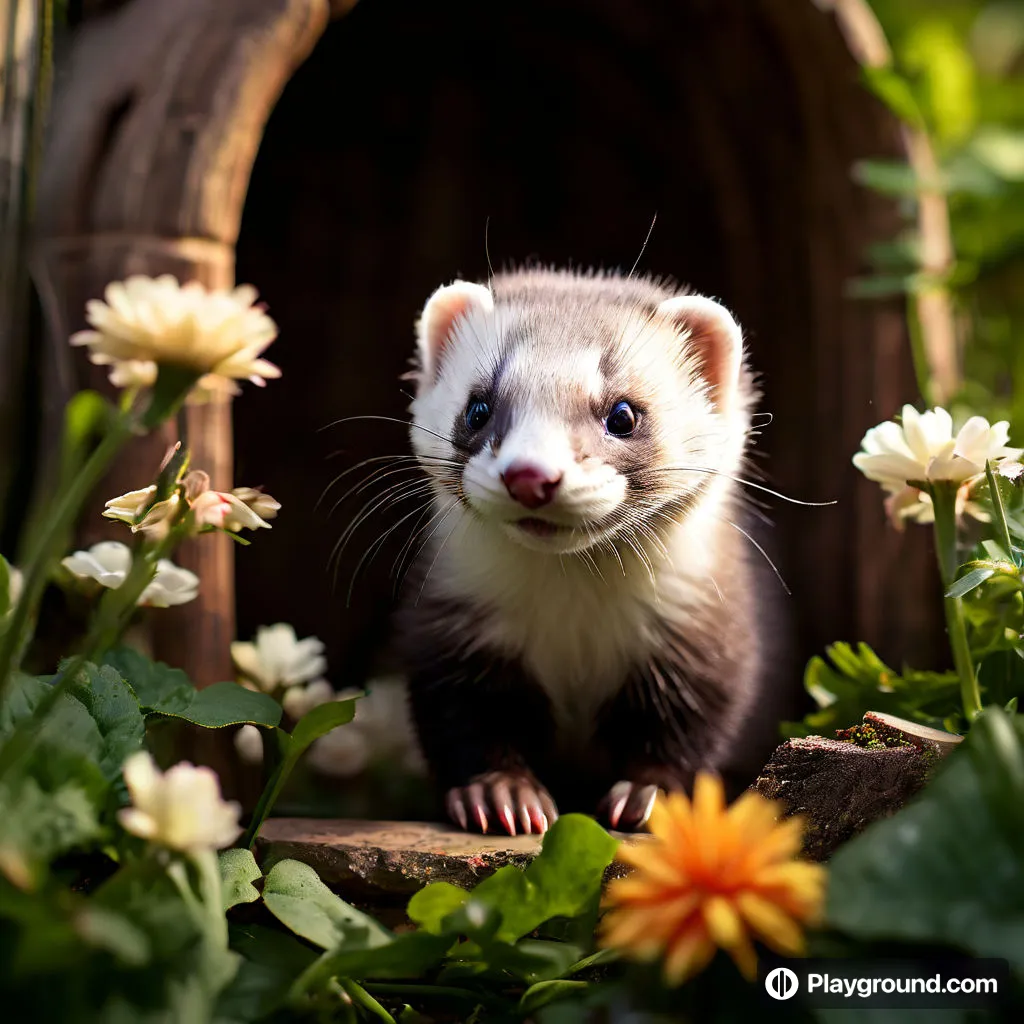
567	411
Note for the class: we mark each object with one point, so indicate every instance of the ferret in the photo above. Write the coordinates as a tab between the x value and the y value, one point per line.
582	626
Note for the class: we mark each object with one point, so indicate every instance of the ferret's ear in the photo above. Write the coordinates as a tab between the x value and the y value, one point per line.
434	328
714	337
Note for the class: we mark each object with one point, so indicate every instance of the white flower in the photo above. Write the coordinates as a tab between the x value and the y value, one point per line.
159	517
923	448
298	700
343	752
127	507
181	808
277	659
225	512
157	320
249	744
261	503
131	373
109	562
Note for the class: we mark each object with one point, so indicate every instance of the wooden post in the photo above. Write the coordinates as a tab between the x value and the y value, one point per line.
157	117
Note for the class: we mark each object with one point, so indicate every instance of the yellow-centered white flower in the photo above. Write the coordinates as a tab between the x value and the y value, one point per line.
181	808
141	320
923	448
276	658
109	562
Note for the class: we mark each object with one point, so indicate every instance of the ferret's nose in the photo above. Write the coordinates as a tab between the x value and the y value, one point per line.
530	485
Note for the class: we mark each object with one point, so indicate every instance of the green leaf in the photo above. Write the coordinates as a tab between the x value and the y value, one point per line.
409	955
319	721
167	691
563	881
272	960
158	687
966	583
108	930
238	870
294	894
361	998
69	745
896	92
230	704
432	905
36	826
115	710
853	680
314	724
544	992
945	870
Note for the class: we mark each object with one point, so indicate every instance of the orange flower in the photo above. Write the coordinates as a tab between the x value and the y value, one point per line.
709	877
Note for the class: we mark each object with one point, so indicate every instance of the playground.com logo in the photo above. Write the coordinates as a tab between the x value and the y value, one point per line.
782	983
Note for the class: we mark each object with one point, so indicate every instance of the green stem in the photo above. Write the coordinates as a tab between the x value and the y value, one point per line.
944	502
51	542
999	512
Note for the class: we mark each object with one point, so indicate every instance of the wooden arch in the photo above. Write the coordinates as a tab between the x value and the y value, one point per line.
159	112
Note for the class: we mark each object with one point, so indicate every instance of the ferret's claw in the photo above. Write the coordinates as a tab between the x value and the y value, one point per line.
501	800
456	809
628	805
504	796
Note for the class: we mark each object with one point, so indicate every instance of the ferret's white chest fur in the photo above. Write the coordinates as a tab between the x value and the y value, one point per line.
577	626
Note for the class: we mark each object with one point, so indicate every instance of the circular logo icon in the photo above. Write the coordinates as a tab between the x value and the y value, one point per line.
782	983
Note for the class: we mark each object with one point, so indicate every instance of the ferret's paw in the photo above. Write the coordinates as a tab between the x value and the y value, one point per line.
627	806
500	798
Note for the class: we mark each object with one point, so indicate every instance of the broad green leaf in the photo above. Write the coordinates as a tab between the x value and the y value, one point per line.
946	869
272	960
158	687
432	905
563	881
36	826
115	710
230	704
69	745
238	870
294	894
167	691
544	992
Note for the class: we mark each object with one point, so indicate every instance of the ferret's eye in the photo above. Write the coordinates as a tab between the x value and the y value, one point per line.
477	414
621	421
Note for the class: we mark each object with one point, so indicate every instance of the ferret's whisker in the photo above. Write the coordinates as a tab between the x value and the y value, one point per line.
405	423
740	480
440	548
765	555
393	495
375	547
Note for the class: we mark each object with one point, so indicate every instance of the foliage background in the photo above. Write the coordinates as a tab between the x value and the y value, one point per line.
963	64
